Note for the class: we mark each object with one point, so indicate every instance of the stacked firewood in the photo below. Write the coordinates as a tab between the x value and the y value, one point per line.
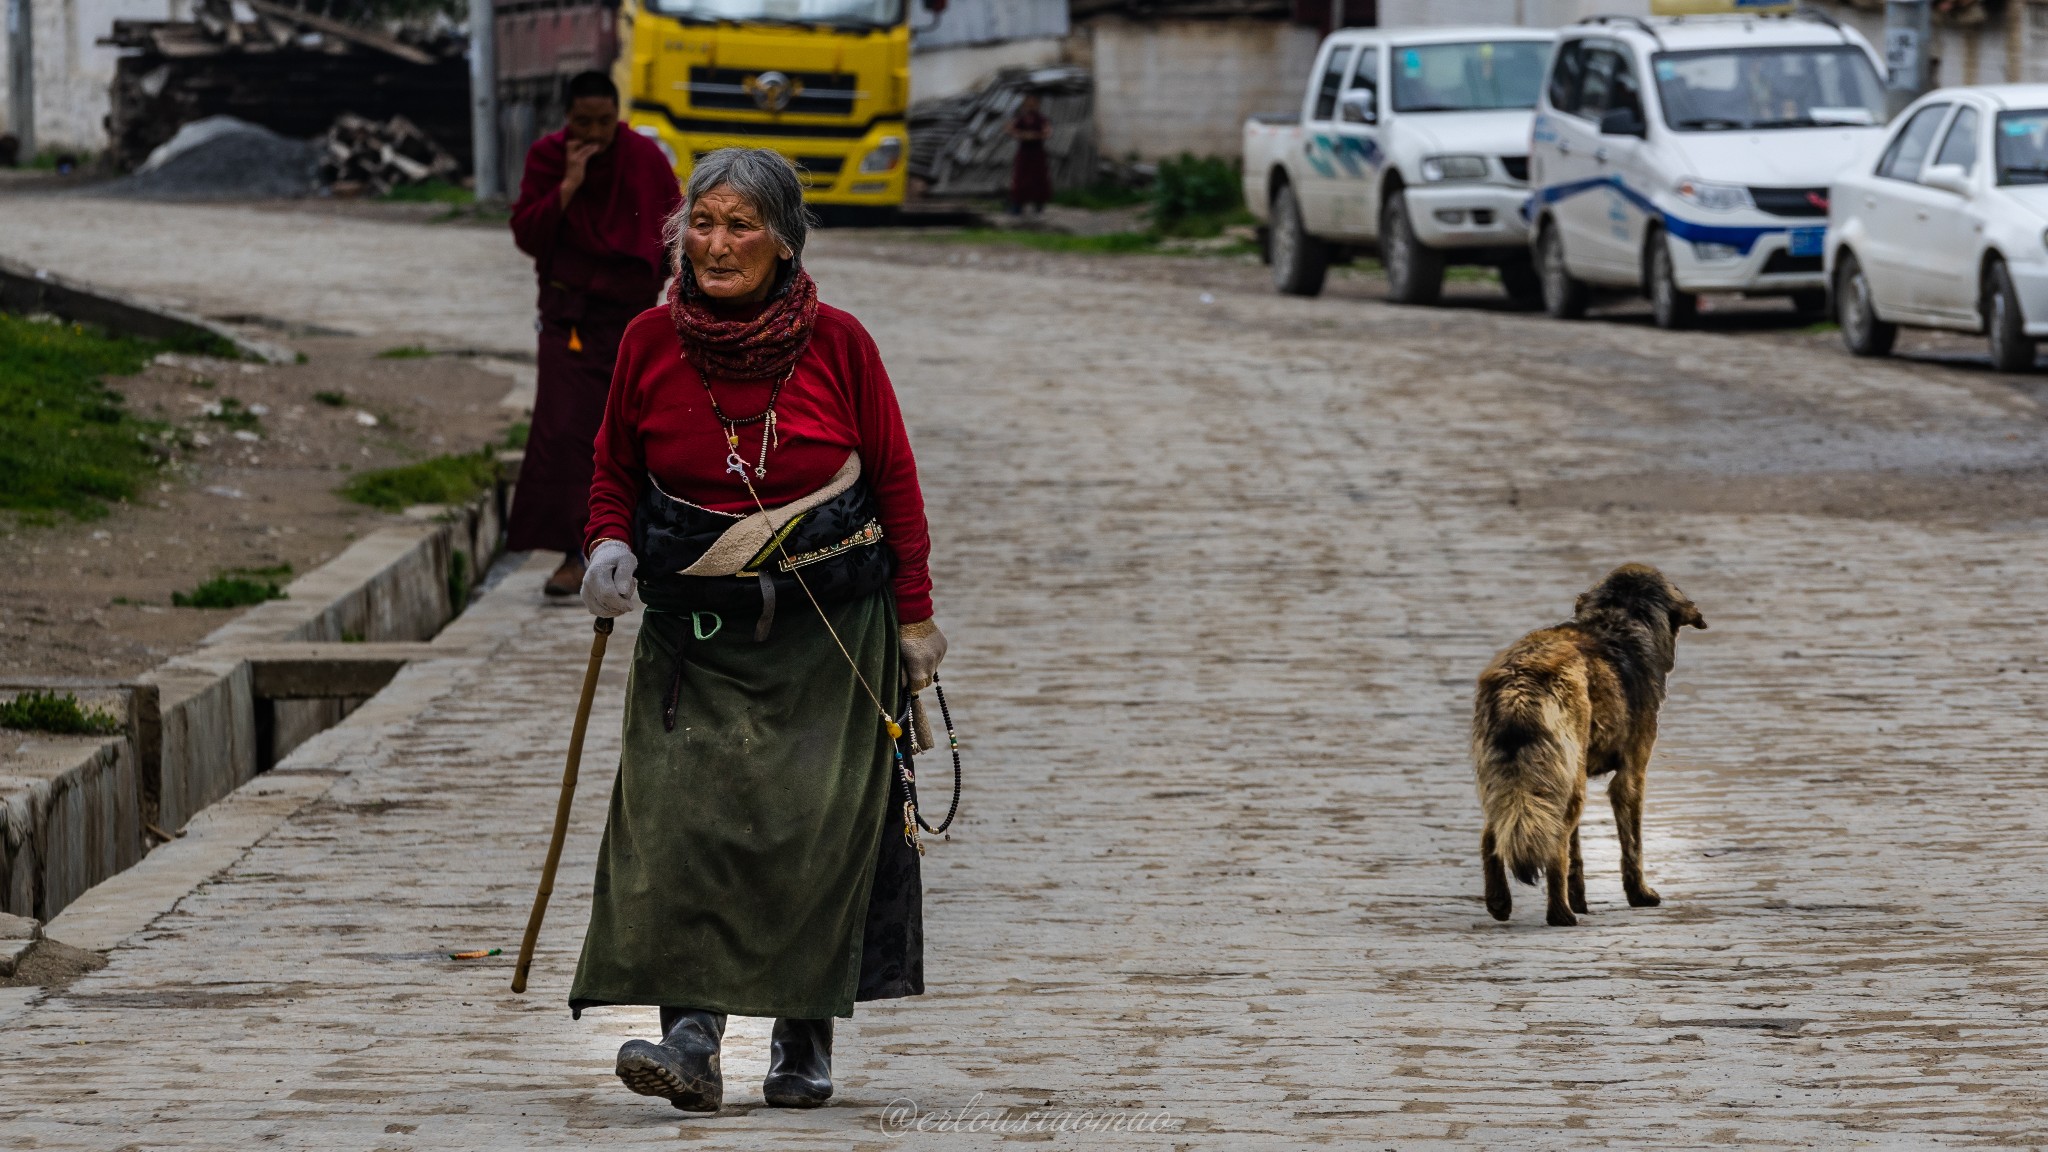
959	146
359	155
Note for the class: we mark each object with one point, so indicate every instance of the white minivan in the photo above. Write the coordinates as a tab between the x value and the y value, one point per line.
1694	154
1947	227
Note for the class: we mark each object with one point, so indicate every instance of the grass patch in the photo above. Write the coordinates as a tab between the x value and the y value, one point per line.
63	715
431	192
452	479
236	588
231	412
331	399
1102	195
67	442
517	434
405	352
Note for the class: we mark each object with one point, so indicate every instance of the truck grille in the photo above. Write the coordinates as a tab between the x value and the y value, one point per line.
1517	167
817	93
1791	201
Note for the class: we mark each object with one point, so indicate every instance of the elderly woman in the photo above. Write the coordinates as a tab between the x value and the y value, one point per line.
753	472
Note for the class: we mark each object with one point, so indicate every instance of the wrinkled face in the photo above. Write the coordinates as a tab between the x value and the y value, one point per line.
730	248
593	120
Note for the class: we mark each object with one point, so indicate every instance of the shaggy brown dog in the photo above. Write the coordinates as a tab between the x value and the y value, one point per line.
1563	704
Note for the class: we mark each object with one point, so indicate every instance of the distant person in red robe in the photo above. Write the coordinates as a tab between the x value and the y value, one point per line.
590	212
1030	172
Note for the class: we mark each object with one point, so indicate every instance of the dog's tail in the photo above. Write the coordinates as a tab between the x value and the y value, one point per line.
1529	762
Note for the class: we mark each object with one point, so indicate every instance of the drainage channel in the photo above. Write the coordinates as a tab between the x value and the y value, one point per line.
76	811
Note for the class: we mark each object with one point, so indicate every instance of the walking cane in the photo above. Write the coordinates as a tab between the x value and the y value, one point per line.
603	628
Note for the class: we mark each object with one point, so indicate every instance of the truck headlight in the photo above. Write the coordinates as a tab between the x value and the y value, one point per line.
655	135
1437	169
884	157
1714	197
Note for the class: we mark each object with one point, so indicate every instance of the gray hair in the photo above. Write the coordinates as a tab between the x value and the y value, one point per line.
762	177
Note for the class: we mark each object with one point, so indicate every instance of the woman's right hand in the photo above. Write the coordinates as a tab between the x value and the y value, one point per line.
608	579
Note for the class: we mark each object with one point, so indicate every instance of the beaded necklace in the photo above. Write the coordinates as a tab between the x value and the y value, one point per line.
765	417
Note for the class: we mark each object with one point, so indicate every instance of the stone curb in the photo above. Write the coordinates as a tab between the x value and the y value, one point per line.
28	289
75	812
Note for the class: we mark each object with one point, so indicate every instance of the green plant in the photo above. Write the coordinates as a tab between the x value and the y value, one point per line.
458	580
1197	195
405	352
331	399
236	588
515	436
449	479
1102	194
49	712
229	411
67	443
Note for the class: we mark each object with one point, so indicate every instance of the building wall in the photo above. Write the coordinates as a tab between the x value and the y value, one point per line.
948	71
969	22
72	73
1163	87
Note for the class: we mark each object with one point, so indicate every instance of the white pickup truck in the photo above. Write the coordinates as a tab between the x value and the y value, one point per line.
1414	143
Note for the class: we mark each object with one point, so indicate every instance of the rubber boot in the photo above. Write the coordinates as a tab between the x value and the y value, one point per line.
683	1068
799	1064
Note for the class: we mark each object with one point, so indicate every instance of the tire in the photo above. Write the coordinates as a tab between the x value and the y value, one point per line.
1565	296
1300	261
1672	307
2005	325
1812	303
1519	279
1862	332
1415	272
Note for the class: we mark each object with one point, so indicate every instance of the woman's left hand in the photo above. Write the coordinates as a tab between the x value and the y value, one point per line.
923	647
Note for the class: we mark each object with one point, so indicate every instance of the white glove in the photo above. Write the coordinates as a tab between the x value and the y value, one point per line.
608	579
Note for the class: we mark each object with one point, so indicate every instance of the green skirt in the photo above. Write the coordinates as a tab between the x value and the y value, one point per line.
749	819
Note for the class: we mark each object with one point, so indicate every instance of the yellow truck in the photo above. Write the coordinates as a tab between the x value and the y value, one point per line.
824	82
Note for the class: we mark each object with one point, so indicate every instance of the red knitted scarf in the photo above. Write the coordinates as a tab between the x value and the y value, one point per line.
763	347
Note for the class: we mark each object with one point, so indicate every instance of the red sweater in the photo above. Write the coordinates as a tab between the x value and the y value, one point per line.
839	400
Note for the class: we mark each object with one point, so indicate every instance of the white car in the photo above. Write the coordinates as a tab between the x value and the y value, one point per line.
1948	226
1694	154
1414	142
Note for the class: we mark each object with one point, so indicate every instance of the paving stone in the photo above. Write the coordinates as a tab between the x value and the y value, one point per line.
1218	578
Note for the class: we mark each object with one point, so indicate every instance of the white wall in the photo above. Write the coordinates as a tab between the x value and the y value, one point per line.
946	71
73	74
987	22
1163	87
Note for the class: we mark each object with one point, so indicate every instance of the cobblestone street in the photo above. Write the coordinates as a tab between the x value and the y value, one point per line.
1218	577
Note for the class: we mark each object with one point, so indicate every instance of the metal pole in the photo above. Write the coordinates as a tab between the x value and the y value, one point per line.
483	101
2015	42
21	76
1336	15
1908	50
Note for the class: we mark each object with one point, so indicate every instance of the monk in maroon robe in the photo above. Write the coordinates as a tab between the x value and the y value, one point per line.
590	213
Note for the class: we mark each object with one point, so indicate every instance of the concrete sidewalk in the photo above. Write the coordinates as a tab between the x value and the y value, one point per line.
1218	578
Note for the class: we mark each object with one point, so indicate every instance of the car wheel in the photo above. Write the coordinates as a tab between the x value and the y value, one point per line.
1672	307
1812	303
1518	278
1300	261
1862	332
2012	350
1415	272
1564	295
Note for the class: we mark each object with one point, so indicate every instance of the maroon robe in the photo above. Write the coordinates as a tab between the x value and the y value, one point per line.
600	263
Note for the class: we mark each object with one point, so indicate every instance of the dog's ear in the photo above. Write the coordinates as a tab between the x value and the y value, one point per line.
1687	613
